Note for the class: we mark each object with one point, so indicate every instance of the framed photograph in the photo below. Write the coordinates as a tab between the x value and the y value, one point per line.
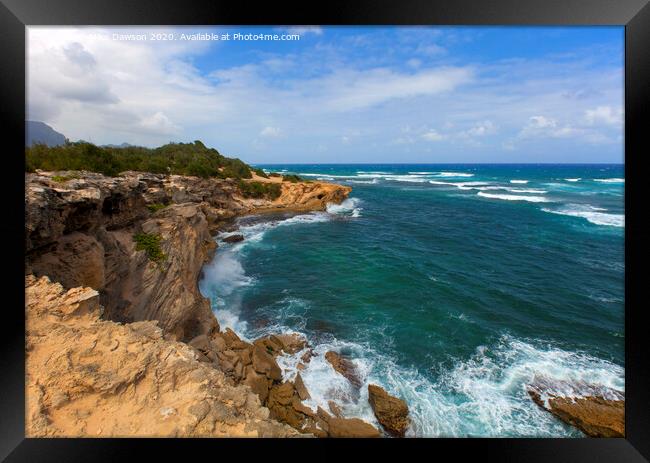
370	224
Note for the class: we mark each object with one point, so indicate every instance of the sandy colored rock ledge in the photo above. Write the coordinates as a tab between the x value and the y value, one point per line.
89	377
598	412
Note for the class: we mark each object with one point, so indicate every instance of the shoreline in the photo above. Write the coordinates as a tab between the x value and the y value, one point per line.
89	222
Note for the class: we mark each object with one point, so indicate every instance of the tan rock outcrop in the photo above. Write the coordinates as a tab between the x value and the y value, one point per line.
391	412
344	367
596	416
90	377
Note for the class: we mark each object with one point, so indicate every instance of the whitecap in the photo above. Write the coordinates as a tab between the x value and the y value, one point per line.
573	179
453	174
350	205
595	215
531	199
610	180
518	181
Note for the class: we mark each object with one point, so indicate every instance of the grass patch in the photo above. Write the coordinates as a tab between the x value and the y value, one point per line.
63	178
154	207
150	243
260	190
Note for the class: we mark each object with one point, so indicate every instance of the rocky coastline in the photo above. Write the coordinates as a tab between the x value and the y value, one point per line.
120	342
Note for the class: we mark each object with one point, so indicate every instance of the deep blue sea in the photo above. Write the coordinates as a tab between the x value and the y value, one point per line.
452	286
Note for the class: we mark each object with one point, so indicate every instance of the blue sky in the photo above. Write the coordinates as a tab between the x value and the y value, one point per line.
340	94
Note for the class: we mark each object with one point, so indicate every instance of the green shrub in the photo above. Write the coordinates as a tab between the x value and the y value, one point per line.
274	174
291	178
150	243
174	158
260	189
156	207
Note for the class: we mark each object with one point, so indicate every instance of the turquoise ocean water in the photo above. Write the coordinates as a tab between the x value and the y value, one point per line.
452	286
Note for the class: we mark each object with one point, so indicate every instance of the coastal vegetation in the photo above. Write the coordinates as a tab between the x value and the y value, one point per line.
260	190
291	178
193	159
154	207
150	243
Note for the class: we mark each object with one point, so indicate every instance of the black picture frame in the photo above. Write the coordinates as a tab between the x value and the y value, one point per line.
15	15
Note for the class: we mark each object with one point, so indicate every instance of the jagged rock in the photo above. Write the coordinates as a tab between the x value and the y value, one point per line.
302	391
233	238
351	427
344	367
306	357
264	363
280	403
594	415
276	344
258	383
335	409
91	377
391	412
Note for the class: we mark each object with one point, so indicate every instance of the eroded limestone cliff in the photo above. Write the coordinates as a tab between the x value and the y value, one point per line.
123	344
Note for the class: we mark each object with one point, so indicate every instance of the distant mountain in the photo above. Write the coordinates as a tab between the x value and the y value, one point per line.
39	132
123	145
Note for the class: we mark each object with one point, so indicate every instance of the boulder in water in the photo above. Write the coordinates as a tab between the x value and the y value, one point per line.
596	411
390	411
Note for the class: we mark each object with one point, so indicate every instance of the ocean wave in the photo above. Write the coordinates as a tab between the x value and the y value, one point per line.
482	395
350	205
573	179
518	181
610	180
466	185
593	214
368	182
452	174
526	190
531	199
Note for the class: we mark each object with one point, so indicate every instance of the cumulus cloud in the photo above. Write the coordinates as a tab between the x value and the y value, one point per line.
356	95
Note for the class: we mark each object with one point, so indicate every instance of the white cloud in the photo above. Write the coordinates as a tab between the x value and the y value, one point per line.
270	132
432	135
604	115
481	129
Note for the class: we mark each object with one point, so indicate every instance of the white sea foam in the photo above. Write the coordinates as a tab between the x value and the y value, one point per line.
610	180
573	179
480	395
466	185
349	206
531	199
526	190
453	174
593	214
370	182
518	181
